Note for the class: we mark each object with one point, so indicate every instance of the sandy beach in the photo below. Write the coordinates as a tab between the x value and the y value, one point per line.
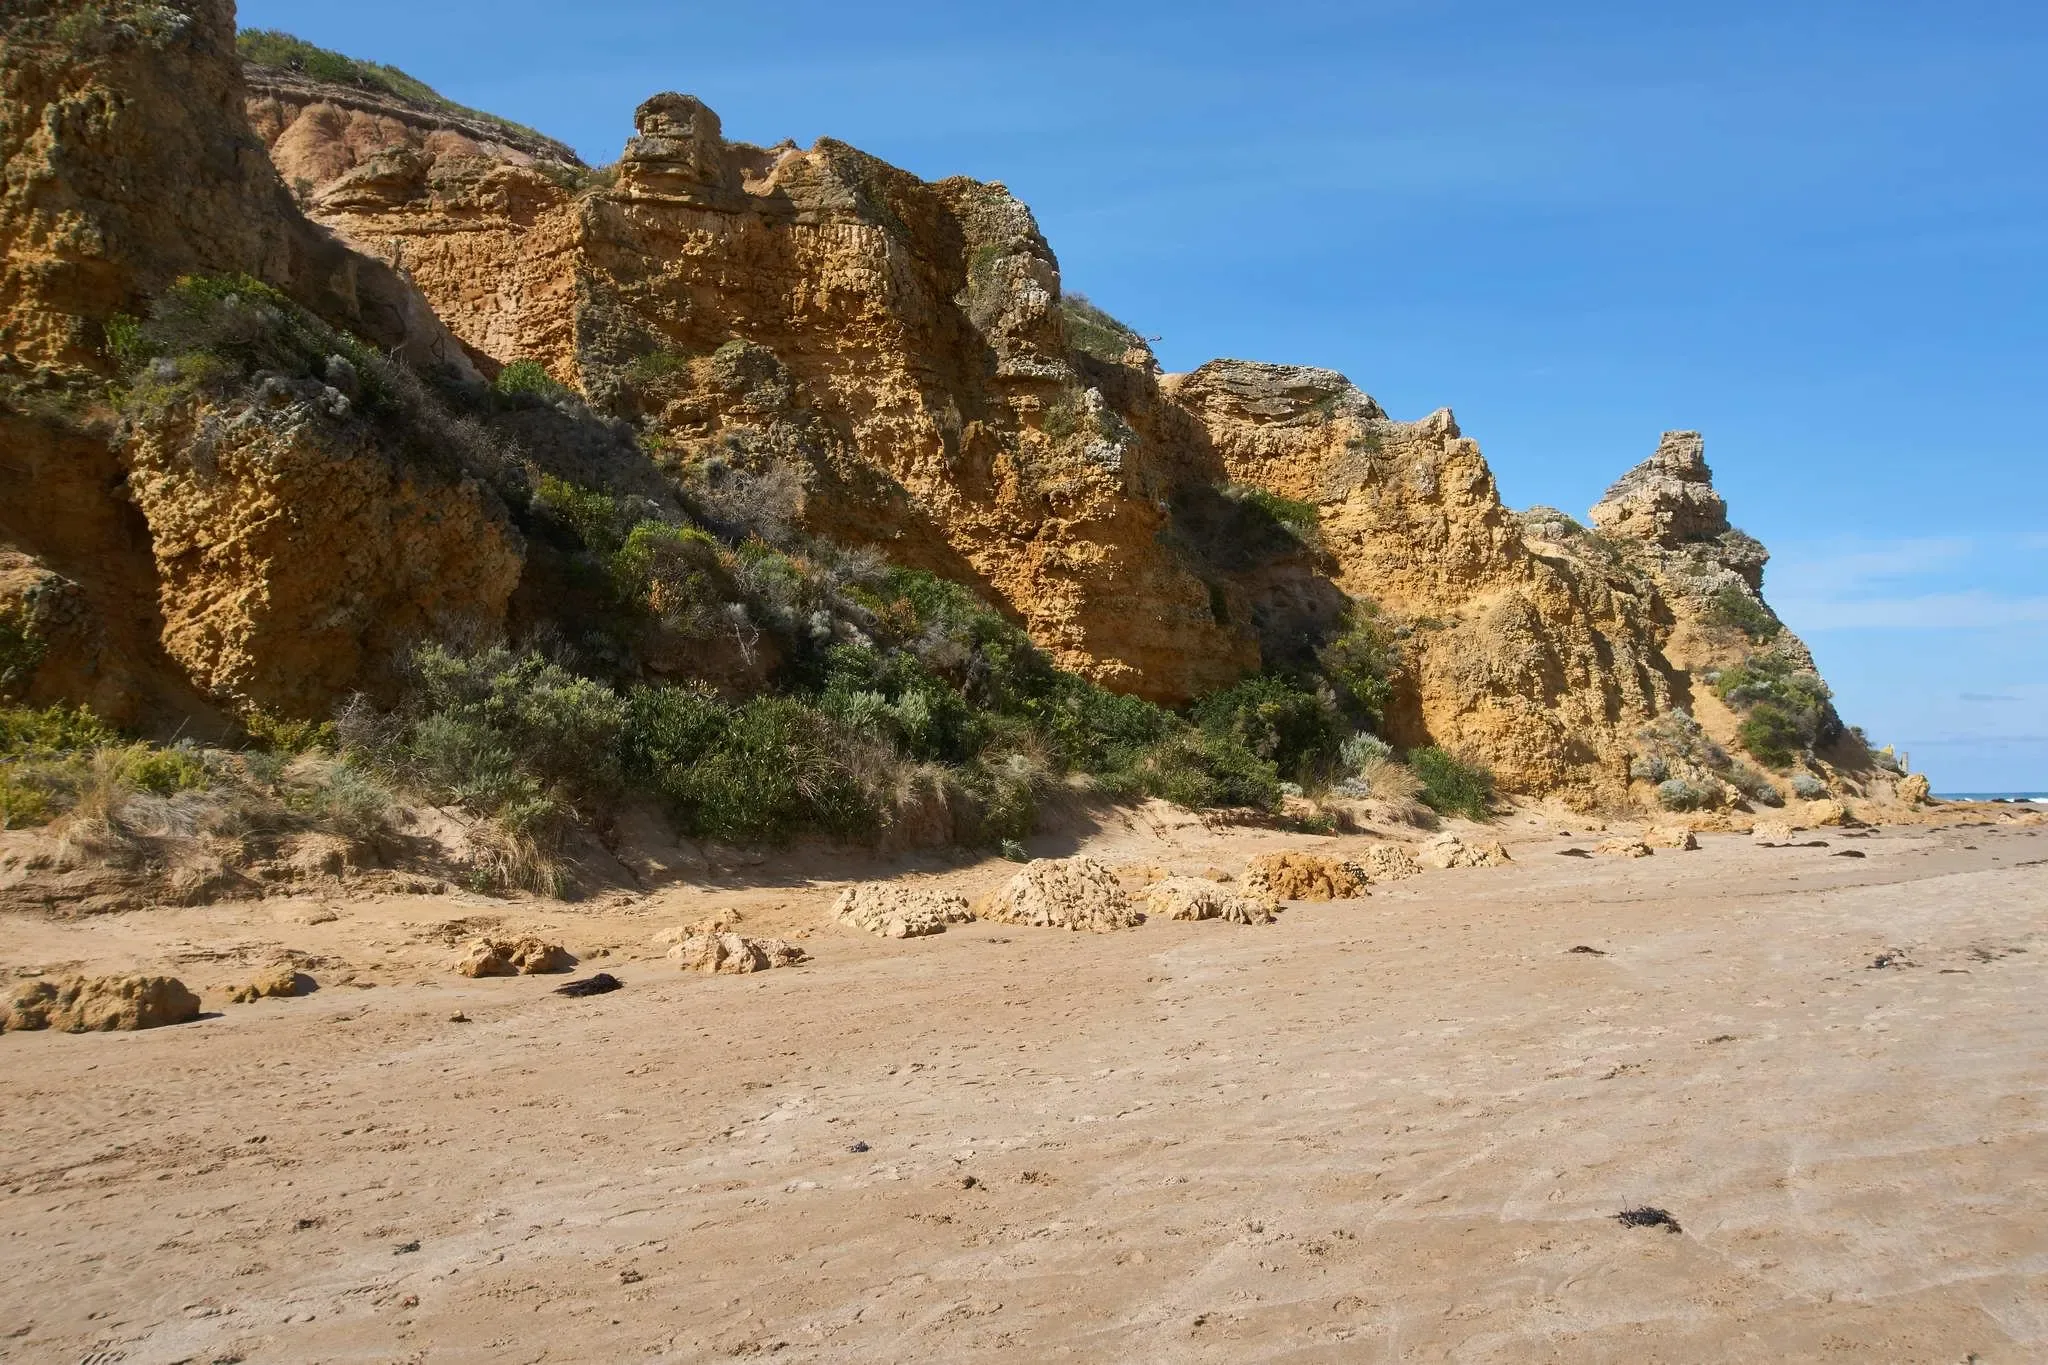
1397	1128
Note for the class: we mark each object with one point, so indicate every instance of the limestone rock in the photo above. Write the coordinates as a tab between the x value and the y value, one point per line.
1825	814
514	957
1771	833
1304	877
893	910
1913	789
103	1004
1447	850
731	954
1388	863
1197	898
1064	893
1671	836
1668	499
1622	848
278	982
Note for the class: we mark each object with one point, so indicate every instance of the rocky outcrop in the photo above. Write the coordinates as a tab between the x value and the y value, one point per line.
1447	851
727	954
1198	898
317	132
898	355
1066	893
175	586
105	1004
1304	877
1387	863
513	957
894	911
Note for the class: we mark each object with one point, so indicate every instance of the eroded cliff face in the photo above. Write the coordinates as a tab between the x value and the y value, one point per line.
903	346
164	566
899	351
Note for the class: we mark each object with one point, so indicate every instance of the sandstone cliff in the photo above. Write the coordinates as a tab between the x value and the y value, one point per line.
899	355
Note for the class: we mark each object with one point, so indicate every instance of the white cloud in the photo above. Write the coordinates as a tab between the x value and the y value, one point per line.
1923	583
1976	610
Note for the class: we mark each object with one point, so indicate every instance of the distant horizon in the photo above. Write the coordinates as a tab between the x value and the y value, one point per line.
1817	237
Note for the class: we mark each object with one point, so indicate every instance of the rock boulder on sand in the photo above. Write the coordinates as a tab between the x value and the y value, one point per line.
1304	877
1622	848
1387	863
278	982
1770	833
514	957
1913	790
1194	898
1825	814
896	911
1671	836
77	1004
1063	893
730	954
1447	850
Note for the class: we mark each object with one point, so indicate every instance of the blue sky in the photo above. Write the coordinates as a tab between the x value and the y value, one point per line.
1816	231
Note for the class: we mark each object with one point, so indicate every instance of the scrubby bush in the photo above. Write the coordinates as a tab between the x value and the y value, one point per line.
763	770
1678	794
529	379
1297	516
1094	332
1735	609
1786	707
1361	751
1196	768
21	650
281	51
1451	785
1297	731
1362	663
1807	787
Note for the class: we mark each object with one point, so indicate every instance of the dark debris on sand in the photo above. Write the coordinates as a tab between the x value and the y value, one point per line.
1647	1217
600	984
1589	951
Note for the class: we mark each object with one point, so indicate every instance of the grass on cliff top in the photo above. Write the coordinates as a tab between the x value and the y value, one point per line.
1094	332
282	52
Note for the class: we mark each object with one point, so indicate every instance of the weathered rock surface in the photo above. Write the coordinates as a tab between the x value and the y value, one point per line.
514	957
1387	863
275	983
901	350
727	954
1771	833
1671	836
102	1004
1447	851
1198	898
1622	848
1064	893
1913	790
1824	814
1303	877
893	910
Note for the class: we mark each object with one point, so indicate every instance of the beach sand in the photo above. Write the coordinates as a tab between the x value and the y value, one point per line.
1398	1128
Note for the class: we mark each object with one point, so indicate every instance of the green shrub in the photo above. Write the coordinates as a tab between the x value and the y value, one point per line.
1362	664
1677	793
163	771
768	769
1093	332
1298	732
504	734
23	803
1450	785
21	650
278	735
530	379
1194	768
595	516
1735	609
28	732
1297	516
1786	707
1772	735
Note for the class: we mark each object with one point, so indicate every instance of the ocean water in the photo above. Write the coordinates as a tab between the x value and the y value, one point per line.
2039	797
